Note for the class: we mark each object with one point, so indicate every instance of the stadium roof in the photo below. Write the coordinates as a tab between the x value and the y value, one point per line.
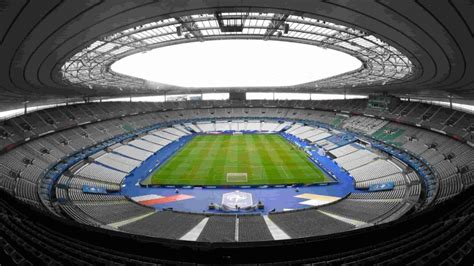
382	62
63	49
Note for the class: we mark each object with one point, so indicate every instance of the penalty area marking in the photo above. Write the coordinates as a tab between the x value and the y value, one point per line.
236	177
284	171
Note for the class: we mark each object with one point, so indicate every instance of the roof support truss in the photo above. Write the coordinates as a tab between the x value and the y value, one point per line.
276	23
190	25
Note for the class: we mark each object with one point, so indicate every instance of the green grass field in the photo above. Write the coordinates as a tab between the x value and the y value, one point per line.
266	159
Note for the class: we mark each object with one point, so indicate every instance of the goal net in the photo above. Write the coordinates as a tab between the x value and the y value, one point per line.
236	177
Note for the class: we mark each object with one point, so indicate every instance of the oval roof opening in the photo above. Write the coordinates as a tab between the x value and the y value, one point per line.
236	63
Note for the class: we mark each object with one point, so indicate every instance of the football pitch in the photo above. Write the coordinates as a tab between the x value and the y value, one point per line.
249	159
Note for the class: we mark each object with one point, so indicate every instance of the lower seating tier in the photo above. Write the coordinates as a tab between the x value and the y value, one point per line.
308	223
164	224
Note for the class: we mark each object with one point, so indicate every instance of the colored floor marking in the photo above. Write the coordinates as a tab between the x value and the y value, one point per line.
315	202
166	199
146	197
310	196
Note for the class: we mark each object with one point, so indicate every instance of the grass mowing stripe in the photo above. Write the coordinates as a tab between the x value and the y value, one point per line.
230	157
238	149
194	165
284	155
287	155
299	155
178	165
216	169
271	157
259	171
202	166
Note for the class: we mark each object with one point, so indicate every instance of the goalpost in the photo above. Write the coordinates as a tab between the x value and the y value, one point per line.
236	177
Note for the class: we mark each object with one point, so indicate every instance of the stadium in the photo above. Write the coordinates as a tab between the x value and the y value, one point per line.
209	132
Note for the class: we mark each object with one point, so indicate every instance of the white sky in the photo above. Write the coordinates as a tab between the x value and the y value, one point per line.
236	63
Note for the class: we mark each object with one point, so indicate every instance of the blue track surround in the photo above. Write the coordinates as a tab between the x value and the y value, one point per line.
278	197
275	198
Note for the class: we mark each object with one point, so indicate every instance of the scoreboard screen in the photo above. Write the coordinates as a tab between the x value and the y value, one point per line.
383	102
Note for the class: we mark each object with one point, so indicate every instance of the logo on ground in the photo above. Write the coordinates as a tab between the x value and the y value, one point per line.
237	200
